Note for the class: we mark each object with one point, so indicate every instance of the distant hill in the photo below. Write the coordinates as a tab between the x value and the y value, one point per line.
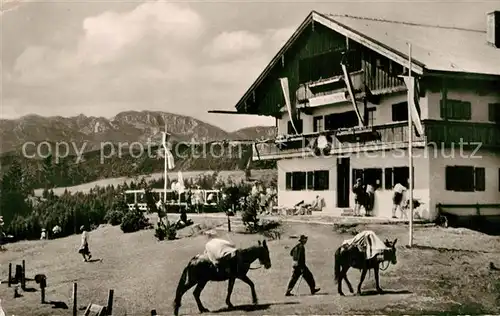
129	126
87	134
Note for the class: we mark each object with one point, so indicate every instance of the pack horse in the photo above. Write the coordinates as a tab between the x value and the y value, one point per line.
365	251
200	270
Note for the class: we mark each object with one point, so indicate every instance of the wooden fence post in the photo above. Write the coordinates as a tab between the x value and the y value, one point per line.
23	276
109	307
10	274
75	307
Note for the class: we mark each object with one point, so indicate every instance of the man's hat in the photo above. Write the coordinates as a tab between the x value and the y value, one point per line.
302	237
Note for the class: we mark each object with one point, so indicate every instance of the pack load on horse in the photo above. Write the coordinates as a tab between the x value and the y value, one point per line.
368	242
204	267
220	252
364	252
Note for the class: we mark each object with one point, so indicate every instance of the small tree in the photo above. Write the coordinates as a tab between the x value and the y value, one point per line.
133	221
249	216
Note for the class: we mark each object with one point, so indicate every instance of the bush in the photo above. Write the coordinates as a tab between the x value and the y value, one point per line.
114	217
134	221
168	231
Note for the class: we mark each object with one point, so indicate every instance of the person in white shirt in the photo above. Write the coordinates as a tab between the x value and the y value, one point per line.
397	198
84	247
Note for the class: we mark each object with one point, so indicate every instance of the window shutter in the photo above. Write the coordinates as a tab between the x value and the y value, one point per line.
468	110
480	179
288	180
449	178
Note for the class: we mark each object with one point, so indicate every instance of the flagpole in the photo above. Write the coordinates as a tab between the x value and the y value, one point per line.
165	170
410	148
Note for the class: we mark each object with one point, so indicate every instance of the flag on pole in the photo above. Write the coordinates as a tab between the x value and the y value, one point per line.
170	159
413	88
286	95
348	83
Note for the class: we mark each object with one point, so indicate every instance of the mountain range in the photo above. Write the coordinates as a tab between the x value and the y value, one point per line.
125	127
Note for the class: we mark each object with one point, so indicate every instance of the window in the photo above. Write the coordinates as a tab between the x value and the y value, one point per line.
357	174
465	178
494	112
298	125
373	176
455	109
318	124
341	120
321	180
312	180
395	175
298	181
400	112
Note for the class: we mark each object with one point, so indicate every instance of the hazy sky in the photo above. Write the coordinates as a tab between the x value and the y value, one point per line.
102	57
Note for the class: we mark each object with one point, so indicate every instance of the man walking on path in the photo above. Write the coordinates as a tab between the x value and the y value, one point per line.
300	269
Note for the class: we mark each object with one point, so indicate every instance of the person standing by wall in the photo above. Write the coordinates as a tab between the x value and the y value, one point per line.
359	193
300	268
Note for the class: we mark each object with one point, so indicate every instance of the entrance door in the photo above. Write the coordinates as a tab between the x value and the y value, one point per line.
343	177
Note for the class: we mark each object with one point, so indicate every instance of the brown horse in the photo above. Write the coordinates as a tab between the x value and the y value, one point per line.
200	271
346	257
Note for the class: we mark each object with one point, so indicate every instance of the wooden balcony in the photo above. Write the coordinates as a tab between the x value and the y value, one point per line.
387	136
452	133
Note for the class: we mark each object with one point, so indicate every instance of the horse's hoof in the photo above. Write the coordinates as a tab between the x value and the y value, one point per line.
341	294
204	310
380	291
229	305
255	302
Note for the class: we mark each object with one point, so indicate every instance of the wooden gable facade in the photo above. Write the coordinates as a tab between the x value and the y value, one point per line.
315	55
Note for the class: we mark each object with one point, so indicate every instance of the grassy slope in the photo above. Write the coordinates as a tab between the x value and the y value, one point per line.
144	274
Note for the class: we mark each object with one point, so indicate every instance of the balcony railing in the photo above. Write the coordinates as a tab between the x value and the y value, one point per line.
393	135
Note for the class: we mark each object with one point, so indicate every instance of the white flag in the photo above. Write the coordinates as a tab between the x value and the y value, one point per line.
286	95
413	97
170	159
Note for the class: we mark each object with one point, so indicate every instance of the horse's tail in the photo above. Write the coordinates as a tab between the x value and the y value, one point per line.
336	264
180	287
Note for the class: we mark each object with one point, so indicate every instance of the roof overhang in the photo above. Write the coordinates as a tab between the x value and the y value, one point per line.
329	22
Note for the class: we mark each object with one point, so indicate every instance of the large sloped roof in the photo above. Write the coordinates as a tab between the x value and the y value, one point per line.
438	48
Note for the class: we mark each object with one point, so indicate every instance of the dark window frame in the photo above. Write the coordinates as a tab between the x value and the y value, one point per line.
459	178
453	109
317	180
399	112
494	112
316	119
299	126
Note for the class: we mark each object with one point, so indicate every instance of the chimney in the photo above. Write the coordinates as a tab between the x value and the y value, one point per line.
493	28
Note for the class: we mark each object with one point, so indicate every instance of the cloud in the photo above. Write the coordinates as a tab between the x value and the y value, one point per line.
233	43
237	43
113	38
